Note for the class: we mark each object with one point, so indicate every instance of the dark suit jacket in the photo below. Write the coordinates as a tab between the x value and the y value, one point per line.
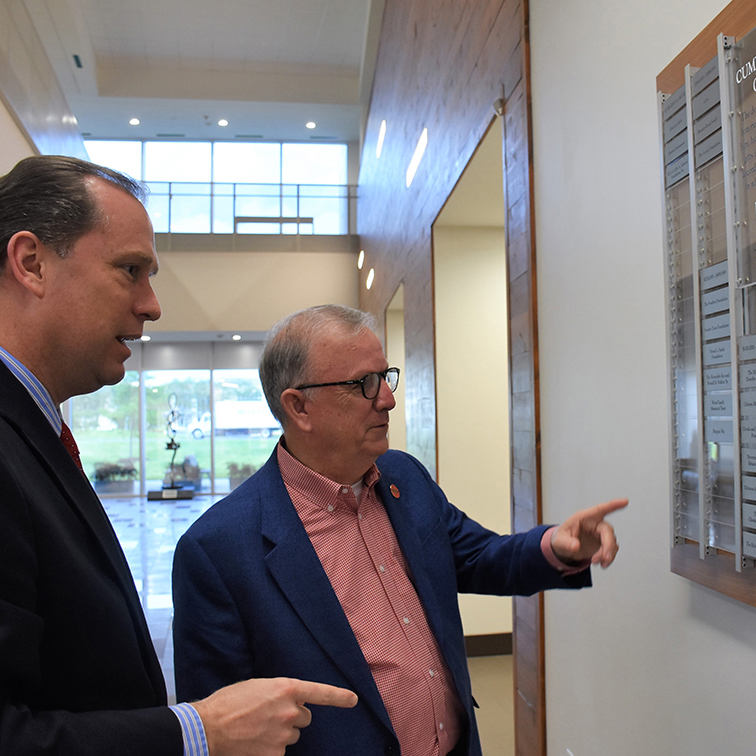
78	672
252	599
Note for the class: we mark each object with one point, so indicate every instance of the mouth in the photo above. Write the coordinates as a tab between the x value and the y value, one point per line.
124	339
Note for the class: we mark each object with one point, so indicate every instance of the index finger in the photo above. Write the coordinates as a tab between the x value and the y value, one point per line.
608	507
321	694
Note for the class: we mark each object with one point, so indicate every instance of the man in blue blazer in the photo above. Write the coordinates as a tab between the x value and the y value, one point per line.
260	583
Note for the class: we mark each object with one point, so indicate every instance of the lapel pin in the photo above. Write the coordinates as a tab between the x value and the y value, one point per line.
394	491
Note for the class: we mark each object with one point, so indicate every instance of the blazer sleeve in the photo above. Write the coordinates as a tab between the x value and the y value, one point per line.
486	562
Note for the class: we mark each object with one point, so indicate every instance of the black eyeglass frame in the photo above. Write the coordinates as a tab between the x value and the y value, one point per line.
361	382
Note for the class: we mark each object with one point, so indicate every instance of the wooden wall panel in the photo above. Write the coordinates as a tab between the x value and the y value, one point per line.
441	65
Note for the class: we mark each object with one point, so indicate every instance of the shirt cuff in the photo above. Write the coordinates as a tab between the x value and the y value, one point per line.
192	729
555	561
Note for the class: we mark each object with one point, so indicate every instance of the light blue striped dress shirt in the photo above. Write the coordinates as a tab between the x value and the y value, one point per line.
195	743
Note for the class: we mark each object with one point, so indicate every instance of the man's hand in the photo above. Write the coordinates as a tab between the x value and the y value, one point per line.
586	535
261	717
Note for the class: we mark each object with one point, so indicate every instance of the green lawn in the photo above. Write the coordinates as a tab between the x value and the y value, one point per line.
111	446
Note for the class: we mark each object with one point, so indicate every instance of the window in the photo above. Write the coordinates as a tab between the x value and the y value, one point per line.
237	187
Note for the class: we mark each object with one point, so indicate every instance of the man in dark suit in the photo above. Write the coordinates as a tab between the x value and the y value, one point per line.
78	673
340	561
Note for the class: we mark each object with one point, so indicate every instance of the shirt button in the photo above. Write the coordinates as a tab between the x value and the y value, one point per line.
359	516
406	620
381	568
330	507
440	725
344	490
432	672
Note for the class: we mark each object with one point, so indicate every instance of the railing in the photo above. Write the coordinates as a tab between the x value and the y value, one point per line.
219	208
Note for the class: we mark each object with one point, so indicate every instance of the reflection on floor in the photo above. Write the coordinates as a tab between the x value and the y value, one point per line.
148	532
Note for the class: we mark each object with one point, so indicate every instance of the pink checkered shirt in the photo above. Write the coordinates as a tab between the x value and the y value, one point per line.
361	556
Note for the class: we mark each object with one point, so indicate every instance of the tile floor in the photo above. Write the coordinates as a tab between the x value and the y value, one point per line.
148	532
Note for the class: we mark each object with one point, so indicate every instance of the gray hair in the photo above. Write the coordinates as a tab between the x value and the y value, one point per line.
285	357
49	196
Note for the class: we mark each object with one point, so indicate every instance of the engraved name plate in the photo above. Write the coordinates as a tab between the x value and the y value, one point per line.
715	301
676	147
747	347
717	354
677	170
717	327
709	149
748	460
748	405
708	98
718	431
748	432
674	102
718	379
747	376
714	275
707	124
748	490
749	544
718	405
674	125
704	76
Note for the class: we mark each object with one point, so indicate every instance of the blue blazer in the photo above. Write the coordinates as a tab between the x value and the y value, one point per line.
251	599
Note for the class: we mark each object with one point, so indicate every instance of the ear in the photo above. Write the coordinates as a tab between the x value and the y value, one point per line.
27	261
294	404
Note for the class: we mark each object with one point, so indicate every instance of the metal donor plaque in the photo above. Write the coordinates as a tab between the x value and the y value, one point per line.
718	379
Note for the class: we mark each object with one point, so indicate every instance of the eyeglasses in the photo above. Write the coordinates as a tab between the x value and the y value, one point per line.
370	383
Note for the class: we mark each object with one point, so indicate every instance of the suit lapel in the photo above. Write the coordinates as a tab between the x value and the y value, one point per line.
295	566
22	413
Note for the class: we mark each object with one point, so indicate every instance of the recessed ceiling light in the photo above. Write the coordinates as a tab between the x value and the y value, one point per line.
236	337
134	122
381	137
422	143
370	278
223	122
145	337
310	124
361	259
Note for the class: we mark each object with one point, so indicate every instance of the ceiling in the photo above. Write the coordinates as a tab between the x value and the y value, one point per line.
179	66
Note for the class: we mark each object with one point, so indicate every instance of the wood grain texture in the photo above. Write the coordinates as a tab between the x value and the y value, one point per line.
441	65
736	20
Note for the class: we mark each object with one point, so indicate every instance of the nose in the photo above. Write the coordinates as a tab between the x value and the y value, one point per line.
385	398
148	307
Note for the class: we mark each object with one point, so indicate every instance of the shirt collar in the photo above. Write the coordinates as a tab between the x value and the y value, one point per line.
36	390
313	485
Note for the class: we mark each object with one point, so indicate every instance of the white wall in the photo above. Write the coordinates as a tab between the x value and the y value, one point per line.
646	662
469	270
13	144
226	291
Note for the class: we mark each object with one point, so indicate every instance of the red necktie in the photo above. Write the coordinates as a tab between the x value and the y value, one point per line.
70	444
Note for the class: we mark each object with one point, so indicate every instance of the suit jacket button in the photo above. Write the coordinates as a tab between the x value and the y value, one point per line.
390	750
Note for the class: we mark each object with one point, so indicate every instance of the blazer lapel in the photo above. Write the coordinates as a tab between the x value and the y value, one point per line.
20	411
296	568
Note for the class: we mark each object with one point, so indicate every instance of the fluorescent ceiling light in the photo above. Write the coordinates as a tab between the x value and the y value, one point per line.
236	337
134	122
370	278
361	259
422	143
223	122
381	137
145	337
310	124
